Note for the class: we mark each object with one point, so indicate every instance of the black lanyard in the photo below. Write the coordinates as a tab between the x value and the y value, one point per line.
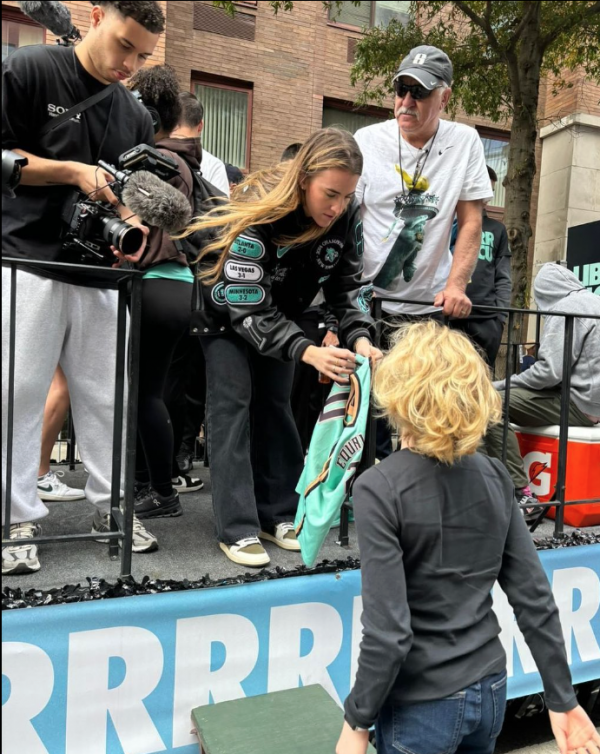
418	167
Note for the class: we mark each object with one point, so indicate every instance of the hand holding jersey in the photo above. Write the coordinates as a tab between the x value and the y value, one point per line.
363	347
336	363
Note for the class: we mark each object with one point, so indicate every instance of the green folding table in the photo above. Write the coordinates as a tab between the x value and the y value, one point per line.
299	721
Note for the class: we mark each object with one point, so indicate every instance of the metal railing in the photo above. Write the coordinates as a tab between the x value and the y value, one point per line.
558	500
122	512
128	284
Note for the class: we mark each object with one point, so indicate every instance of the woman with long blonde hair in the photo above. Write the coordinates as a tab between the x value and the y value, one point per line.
438	524
286	234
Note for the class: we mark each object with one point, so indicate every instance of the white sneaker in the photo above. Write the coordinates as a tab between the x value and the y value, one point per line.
143	540
248	552
51	489
185	483
18	559
283	535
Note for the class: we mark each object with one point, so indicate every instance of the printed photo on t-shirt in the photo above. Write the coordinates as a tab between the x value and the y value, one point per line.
414	207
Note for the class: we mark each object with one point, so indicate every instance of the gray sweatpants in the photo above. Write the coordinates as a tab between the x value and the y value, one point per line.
76	327
527	408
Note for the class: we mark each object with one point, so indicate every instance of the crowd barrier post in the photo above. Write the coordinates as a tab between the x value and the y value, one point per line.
563	435
10	409
71	442
507	386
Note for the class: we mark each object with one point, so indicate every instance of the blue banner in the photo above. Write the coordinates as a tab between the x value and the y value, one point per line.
122	676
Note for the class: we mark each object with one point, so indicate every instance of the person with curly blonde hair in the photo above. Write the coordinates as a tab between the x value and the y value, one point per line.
438	525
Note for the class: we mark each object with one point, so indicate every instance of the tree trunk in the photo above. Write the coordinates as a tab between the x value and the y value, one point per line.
524	69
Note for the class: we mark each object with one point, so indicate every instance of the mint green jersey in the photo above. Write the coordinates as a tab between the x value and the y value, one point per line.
335	452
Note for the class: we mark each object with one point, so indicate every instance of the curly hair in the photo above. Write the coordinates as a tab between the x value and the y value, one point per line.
436	389
159	88
147	13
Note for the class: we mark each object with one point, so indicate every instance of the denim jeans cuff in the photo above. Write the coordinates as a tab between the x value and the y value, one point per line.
230	541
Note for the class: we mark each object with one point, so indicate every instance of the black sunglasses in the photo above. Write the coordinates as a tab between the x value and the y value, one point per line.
416	91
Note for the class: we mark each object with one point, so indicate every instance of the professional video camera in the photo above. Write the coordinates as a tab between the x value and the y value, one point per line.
92	227
12	165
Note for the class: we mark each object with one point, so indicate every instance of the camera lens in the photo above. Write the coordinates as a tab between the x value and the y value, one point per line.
124	237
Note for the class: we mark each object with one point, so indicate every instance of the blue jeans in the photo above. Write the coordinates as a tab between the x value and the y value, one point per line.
468	722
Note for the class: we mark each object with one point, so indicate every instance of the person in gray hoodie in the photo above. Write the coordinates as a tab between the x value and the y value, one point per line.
535	393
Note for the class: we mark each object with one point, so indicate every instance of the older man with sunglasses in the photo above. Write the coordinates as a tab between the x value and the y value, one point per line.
419	172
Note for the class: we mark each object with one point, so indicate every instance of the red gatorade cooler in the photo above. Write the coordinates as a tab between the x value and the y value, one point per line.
539	448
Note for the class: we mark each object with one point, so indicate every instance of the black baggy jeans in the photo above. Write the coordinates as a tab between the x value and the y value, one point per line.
253	445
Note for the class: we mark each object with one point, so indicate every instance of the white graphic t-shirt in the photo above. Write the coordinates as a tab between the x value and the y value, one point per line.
407	237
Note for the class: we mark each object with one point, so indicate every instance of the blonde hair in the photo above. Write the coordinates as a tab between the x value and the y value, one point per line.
436	389
269	195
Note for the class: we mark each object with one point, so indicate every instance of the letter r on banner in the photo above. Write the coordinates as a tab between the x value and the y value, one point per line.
286	665
578	621
90	700
31	676
195	681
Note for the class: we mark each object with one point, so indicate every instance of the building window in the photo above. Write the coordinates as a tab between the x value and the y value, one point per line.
369	14
227	120
495	147
384	12
18	31
217	21
344	115
351	15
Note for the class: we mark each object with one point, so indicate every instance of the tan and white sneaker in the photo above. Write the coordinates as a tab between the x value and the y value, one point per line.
18	559
283	535
248	552
143	540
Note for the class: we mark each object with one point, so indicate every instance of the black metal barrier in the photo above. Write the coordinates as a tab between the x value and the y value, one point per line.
128	284
558	500
129	289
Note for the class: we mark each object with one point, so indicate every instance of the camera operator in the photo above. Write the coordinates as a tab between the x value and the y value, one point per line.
63	316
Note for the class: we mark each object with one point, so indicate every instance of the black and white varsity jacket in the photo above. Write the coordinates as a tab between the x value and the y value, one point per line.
265	285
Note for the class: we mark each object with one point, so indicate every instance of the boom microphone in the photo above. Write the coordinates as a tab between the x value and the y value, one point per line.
156	203
53	16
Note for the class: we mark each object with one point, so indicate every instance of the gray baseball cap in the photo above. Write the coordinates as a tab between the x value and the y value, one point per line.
428	65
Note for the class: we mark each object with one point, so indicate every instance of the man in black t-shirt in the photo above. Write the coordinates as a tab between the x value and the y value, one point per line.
490	285
66	317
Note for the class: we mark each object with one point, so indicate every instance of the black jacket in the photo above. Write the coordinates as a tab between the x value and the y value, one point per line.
433	541
265	286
